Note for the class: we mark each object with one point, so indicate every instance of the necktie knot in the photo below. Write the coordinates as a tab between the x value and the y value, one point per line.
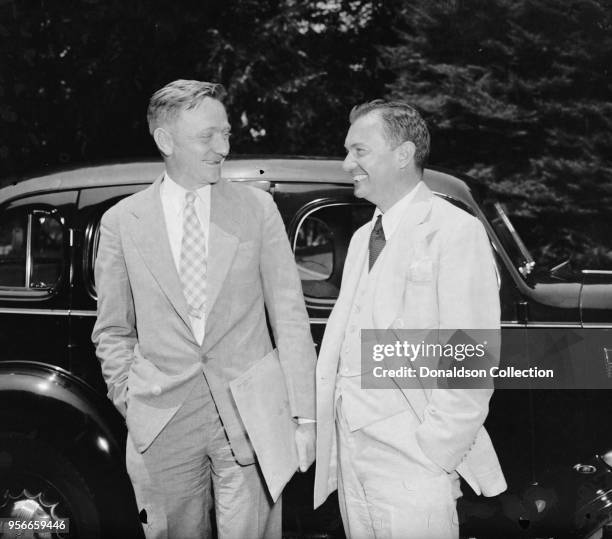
190	197
378	228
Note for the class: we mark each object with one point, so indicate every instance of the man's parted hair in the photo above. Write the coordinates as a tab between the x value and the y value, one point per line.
166	104
401	122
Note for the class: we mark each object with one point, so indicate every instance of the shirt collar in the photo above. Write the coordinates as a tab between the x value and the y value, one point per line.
174	193
394	215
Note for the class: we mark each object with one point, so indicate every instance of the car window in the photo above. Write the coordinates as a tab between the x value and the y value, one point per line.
47	235
320	245
31	248
13	233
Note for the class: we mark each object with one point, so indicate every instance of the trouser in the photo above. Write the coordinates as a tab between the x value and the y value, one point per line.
382	493
172	480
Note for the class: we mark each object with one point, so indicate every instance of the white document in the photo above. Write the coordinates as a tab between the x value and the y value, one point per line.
260	394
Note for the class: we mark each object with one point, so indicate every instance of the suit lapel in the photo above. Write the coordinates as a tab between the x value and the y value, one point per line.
420	208
148	229
222	242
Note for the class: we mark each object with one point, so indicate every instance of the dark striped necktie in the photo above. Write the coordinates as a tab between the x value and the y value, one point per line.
377	241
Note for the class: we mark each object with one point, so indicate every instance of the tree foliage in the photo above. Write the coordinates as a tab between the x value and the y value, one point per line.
518	94
77	75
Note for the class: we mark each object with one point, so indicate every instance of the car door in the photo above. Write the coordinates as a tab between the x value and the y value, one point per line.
35	273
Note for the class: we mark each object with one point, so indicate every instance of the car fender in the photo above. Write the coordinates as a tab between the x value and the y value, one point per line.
41	391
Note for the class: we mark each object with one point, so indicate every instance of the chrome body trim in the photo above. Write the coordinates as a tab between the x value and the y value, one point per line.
28	268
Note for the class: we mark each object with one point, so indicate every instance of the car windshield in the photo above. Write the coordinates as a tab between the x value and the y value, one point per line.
511	240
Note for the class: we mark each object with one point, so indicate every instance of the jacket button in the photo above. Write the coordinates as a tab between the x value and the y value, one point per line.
156	390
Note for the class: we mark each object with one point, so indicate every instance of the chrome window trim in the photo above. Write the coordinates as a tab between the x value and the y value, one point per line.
48	312
92	237
93	314
595	325
553	325
28	268
309	213
318	303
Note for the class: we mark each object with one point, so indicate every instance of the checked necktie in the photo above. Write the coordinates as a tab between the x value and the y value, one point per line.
192	266
377	241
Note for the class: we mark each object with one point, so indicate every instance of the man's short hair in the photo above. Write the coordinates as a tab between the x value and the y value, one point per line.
401	122
166	104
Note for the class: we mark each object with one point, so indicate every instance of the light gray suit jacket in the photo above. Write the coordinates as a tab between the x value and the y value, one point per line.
150	358
438	272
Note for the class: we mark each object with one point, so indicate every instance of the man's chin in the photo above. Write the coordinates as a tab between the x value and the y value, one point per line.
212	172
359	190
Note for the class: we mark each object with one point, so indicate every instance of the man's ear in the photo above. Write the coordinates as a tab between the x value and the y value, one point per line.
406	151
163	140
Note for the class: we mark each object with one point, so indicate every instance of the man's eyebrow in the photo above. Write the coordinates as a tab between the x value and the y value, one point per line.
212	129
353	145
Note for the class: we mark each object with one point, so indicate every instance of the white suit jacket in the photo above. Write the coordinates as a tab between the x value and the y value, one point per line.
438	272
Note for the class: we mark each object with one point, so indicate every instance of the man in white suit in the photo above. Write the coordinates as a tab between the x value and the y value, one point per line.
395	455
185	273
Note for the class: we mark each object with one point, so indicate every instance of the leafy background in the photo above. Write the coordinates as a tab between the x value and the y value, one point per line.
517	93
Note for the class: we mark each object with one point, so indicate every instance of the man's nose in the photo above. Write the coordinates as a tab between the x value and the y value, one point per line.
221	145
348	164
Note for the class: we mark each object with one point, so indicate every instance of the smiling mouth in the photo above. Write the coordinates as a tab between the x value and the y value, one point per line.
359	177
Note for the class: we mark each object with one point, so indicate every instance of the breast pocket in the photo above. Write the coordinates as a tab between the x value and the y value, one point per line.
420	270
420	301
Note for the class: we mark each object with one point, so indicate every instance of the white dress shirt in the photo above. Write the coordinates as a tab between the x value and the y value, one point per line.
173	204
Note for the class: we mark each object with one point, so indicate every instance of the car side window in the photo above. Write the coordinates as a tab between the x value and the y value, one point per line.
47	238
31	248
13	234
321	242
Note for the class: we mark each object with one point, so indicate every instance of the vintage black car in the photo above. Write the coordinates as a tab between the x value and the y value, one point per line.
62	442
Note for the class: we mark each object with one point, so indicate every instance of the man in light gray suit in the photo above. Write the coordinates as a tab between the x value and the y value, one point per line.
395	455
185	273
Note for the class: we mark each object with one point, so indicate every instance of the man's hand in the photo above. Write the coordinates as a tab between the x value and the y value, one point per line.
305	436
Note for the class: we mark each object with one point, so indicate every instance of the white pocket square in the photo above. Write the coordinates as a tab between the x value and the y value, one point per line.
421	270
